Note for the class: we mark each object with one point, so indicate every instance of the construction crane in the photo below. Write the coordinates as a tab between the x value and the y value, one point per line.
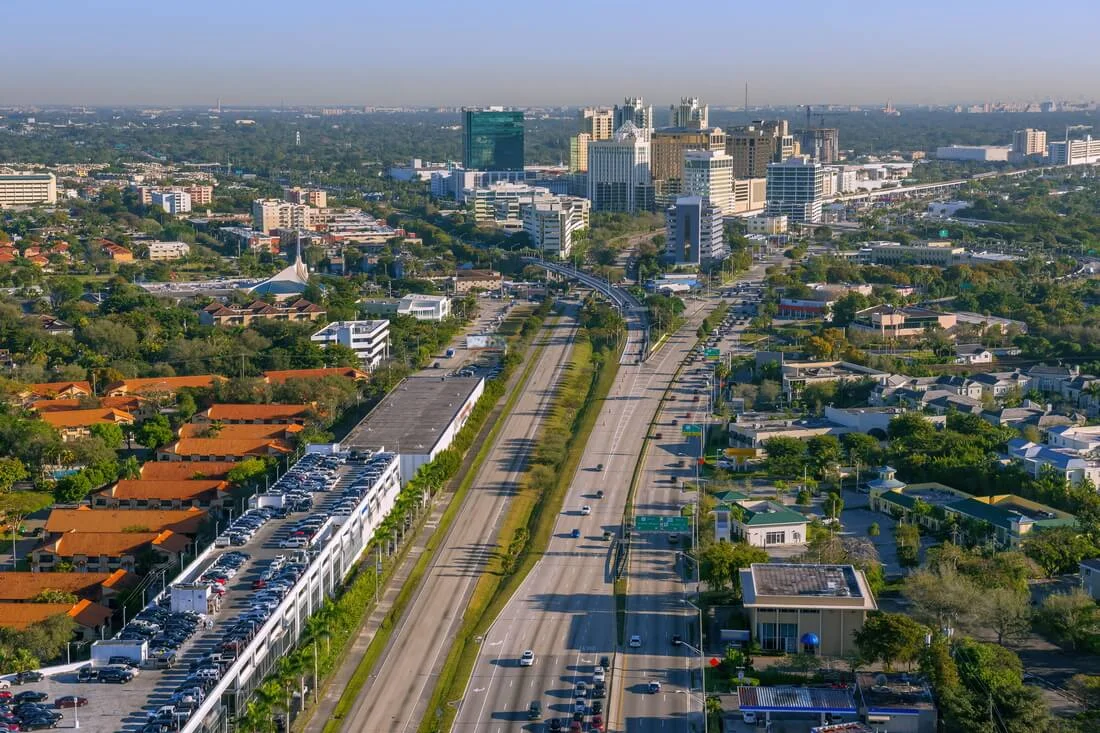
820	117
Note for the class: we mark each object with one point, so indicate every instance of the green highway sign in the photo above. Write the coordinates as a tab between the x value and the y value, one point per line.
713	353
661	523
691	429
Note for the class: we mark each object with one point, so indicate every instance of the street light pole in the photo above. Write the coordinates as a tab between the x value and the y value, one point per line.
702	659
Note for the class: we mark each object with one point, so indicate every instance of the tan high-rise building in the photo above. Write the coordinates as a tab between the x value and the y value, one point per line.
27	189
709	175
578	152
667	148
599	122
754	146
314	197
271	214
1029	142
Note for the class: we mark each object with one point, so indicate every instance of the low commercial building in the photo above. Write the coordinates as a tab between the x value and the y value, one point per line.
982	153
753	429
164	471
106	552
158	388
150	494
806	608
466	281
223	449
91	619
161	251
238	414
899	703
249	240
1008	518
278	376
892	322
115	251
797	375
769	226
221	314
418	420
939	254
101	588
762	524
806	309
27	189
84	519
425	307
370	340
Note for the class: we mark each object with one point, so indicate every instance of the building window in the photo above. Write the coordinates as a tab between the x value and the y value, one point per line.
778	637
775	538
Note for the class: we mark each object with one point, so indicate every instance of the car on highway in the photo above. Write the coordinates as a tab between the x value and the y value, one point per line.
635	641
586	510
527	659
654	687
605	662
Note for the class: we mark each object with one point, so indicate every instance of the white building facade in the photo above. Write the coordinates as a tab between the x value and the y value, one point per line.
172	201
370	340
425	307
619	172
552	224
27	189
795	189
161	251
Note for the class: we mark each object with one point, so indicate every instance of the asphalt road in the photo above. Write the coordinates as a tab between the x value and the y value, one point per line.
564	611
396	696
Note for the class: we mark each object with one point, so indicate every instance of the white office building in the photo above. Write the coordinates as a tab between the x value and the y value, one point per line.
635	110
172	201
425	307
981	153
618	172
690	113
795	189
27	189
552	224
694	232
271	214
709	174
500	203
1081	152
370	340
162	251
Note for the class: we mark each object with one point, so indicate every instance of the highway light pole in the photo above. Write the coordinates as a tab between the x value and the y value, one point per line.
702	658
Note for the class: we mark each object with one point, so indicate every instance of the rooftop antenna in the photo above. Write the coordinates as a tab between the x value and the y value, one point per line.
746	96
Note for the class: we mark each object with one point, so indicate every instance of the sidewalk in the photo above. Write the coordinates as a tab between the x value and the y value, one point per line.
333	688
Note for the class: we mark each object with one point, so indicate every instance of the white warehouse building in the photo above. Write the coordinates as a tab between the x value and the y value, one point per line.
370	340
425	307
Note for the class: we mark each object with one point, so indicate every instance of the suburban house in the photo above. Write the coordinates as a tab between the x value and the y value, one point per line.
76	424
255	414
1035	458
223	449
55	390
115	251
152	494
1074	437
84	519
806	608
998	384
157	387
760	523
54	326
166	471
972	354
102	588
279	376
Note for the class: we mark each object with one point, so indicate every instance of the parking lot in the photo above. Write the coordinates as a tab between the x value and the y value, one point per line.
242	605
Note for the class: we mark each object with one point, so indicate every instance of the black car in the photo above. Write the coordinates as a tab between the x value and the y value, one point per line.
115	676
28	676
599	690
605	662
596	707
39	723
30	696
555	725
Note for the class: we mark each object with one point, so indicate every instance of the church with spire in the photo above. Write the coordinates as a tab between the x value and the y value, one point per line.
290	282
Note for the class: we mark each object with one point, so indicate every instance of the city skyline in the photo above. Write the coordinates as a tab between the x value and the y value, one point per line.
937	53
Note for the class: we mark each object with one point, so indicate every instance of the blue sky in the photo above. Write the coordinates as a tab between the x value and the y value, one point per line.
521	52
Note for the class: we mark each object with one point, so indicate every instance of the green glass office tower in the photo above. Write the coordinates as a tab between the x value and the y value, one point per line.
492	140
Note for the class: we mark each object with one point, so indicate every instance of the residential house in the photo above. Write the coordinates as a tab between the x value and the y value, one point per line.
233	414
1029	413
1074	437
54	326
106	552
92	620
805	607
999	384
85	519
972	354
1048	379
76	424
467	280
1038	459
152	494
115	251
176	471
156	388
102	588
250	431
279	376
55	390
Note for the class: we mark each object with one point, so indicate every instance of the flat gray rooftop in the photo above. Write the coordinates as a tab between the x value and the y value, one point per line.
413	417
796	579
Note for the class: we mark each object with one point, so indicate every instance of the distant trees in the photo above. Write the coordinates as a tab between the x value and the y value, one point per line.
720	561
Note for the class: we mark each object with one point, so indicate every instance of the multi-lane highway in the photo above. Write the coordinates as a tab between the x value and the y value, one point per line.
395	696
565	611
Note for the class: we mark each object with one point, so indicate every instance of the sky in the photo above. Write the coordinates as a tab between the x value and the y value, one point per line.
561	52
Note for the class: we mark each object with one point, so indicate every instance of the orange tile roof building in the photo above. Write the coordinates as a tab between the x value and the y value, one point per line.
231	431
218	449
24	587
149	494
175	471
84	519
234	414
56	390
279	376
155	386
74	424
89	616
105	552
115	251
220	314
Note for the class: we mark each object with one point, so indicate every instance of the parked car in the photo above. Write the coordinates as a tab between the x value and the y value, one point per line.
70	701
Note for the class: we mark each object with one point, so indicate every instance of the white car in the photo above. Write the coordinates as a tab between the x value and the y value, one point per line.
598	675
749	718
635	641
527	659
586	510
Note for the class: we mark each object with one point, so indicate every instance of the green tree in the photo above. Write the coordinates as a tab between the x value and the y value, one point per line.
862	449
109	433
720	561
824	454
1071	619
1058	550
873	530
890	638
1007	612
907	539
943	598
247	470
786	456
11	470
155	432
53	595
833	505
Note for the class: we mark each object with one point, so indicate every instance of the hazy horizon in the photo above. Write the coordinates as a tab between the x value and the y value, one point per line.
248	53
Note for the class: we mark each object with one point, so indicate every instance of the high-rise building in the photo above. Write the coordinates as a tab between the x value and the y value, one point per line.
500	203
552	224
795	189
599	122
822	144
492	139
1081	152
271	214
314	197
754	146
618	172
172	201
690	113
578	152
709	174
693	231
1029	141
635	110
666	151
27	189
749	194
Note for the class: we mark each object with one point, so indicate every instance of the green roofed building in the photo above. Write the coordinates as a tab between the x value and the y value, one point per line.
759	523
1009	517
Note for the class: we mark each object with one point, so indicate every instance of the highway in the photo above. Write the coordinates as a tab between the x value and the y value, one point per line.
395	697
565	609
